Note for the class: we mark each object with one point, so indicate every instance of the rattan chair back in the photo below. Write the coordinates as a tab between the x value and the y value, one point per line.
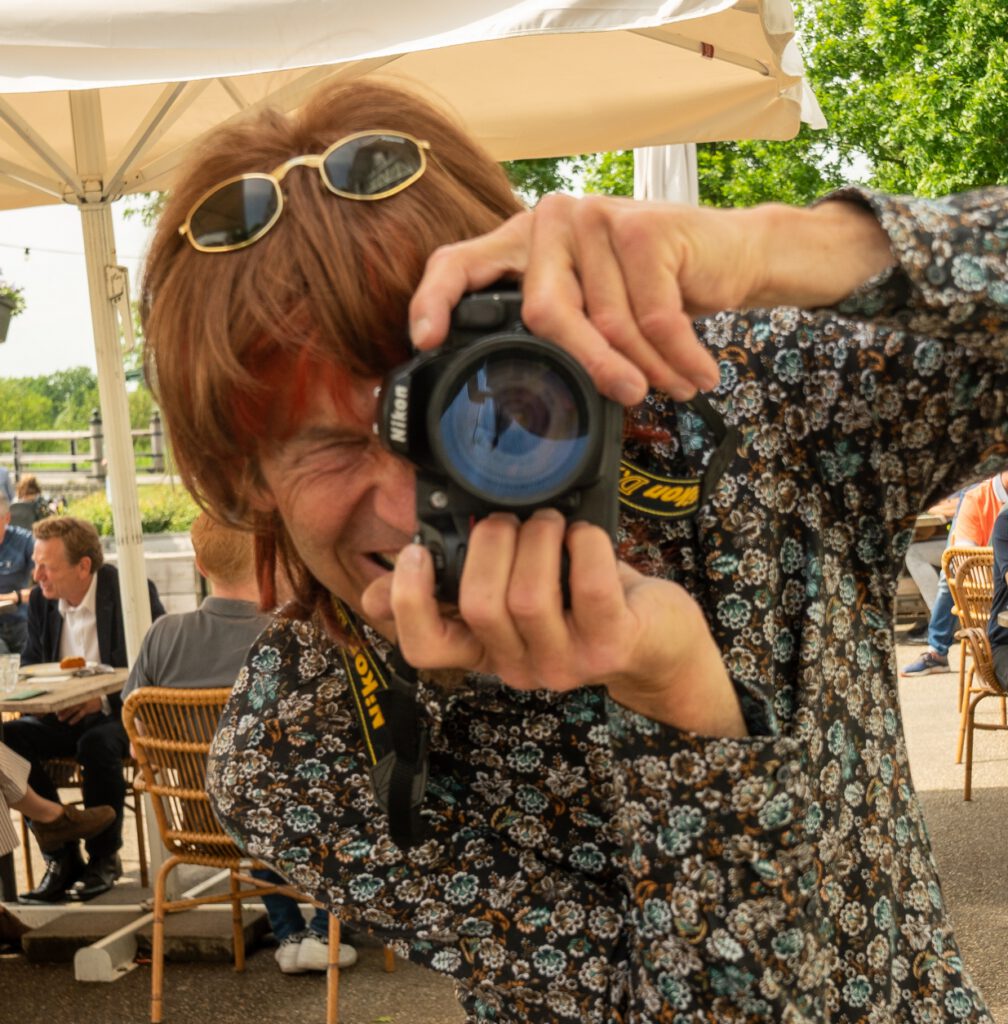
974	588
171	731
952	561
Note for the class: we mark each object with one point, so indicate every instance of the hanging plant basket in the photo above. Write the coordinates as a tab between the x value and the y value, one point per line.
6	312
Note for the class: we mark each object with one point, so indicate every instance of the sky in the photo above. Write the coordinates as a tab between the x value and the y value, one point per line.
54	332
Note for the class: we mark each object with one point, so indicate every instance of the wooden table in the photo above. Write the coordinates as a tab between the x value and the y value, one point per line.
62	690
928	525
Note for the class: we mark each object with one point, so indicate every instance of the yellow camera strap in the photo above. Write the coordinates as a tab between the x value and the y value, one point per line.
394	733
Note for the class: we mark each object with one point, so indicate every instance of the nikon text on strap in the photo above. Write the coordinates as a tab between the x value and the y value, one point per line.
394	735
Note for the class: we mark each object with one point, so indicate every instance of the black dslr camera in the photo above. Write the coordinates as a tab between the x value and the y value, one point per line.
497	419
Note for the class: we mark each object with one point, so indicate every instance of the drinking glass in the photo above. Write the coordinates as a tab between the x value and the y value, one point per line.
9	666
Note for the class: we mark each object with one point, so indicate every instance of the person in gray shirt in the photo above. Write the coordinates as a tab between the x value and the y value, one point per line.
206	647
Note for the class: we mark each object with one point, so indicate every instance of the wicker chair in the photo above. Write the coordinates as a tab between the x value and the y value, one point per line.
971	604
171	730
983	683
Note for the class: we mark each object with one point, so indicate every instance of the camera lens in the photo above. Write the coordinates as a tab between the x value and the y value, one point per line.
513	426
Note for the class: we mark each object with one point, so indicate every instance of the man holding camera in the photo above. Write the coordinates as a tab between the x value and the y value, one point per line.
661	781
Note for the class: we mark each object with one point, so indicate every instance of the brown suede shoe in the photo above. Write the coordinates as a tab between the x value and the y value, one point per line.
73	823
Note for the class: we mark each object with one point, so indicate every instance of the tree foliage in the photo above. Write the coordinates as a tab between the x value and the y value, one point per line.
918	89
61	401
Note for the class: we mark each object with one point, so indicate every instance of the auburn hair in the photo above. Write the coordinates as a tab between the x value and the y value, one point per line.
233	338
80	538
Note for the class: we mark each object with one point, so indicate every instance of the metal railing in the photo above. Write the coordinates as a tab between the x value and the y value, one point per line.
79	454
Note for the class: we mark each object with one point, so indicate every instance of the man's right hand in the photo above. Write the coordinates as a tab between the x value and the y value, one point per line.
646	640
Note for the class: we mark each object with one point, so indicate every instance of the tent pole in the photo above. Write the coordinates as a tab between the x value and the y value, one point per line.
99	252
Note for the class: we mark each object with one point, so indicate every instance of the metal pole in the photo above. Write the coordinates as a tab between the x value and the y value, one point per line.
99	253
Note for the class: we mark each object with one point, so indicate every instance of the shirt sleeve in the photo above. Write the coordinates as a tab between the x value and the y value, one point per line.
951	278
968	526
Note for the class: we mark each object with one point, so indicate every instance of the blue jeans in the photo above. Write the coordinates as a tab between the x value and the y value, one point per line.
284	913
942	624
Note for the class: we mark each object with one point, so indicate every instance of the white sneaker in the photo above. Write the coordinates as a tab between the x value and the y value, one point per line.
286	954
313	953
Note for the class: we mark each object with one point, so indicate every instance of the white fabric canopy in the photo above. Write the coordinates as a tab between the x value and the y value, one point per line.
529	80
102	98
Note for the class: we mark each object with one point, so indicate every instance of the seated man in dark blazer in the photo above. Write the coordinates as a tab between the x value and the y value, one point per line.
76	610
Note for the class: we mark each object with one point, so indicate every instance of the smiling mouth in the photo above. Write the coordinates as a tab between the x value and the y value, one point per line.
385	559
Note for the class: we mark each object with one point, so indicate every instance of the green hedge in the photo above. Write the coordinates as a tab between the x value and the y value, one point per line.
163	509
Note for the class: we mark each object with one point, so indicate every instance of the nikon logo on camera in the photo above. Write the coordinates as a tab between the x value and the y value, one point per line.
654	495
399	414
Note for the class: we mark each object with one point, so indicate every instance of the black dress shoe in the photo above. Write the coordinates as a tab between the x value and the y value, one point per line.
99	877
62	871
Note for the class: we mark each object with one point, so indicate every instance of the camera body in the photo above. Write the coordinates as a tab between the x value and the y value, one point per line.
497	419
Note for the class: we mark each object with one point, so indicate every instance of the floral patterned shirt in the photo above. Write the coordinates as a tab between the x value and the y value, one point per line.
583	863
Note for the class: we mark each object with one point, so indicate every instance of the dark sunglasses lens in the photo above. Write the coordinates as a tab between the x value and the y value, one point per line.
372	164
235	213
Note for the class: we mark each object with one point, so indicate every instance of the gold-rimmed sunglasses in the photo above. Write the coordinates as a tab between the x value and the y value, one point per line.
363	166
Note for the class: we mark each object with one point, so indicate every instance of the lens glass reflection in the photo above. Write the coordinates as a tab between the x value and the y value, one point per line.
372	164
236	212
514	430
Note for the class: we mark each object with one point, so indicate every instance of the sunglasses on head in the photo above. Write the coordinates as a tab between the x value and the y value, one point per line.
363	166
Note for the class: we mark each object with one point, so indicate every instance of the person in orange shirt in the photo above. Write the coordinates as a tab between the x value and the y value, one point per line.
971	527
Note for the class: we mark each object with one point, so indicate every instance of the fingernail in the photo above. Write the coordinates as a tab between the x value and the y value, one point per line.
411	557
420	331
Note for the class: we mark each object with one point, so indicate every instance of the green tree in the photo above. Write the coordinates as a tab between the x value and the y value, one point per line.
22	407
917	89
609	173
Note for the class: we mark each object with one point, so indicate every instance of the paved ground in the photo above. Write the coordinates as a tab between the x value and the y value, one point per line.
969	841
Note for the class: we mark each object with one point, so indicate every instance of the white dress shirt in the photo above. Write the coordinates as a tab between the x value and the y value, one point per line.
79	636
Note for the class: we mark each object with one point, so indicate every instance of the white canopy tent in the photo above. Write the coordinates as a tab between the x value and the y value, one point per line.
102	99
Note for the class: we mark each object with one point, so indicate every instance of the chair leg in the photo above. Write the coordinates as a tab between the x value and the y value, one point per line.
157	942
332	972
237	931
964	712
968	780
389	960
141	838
962	680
